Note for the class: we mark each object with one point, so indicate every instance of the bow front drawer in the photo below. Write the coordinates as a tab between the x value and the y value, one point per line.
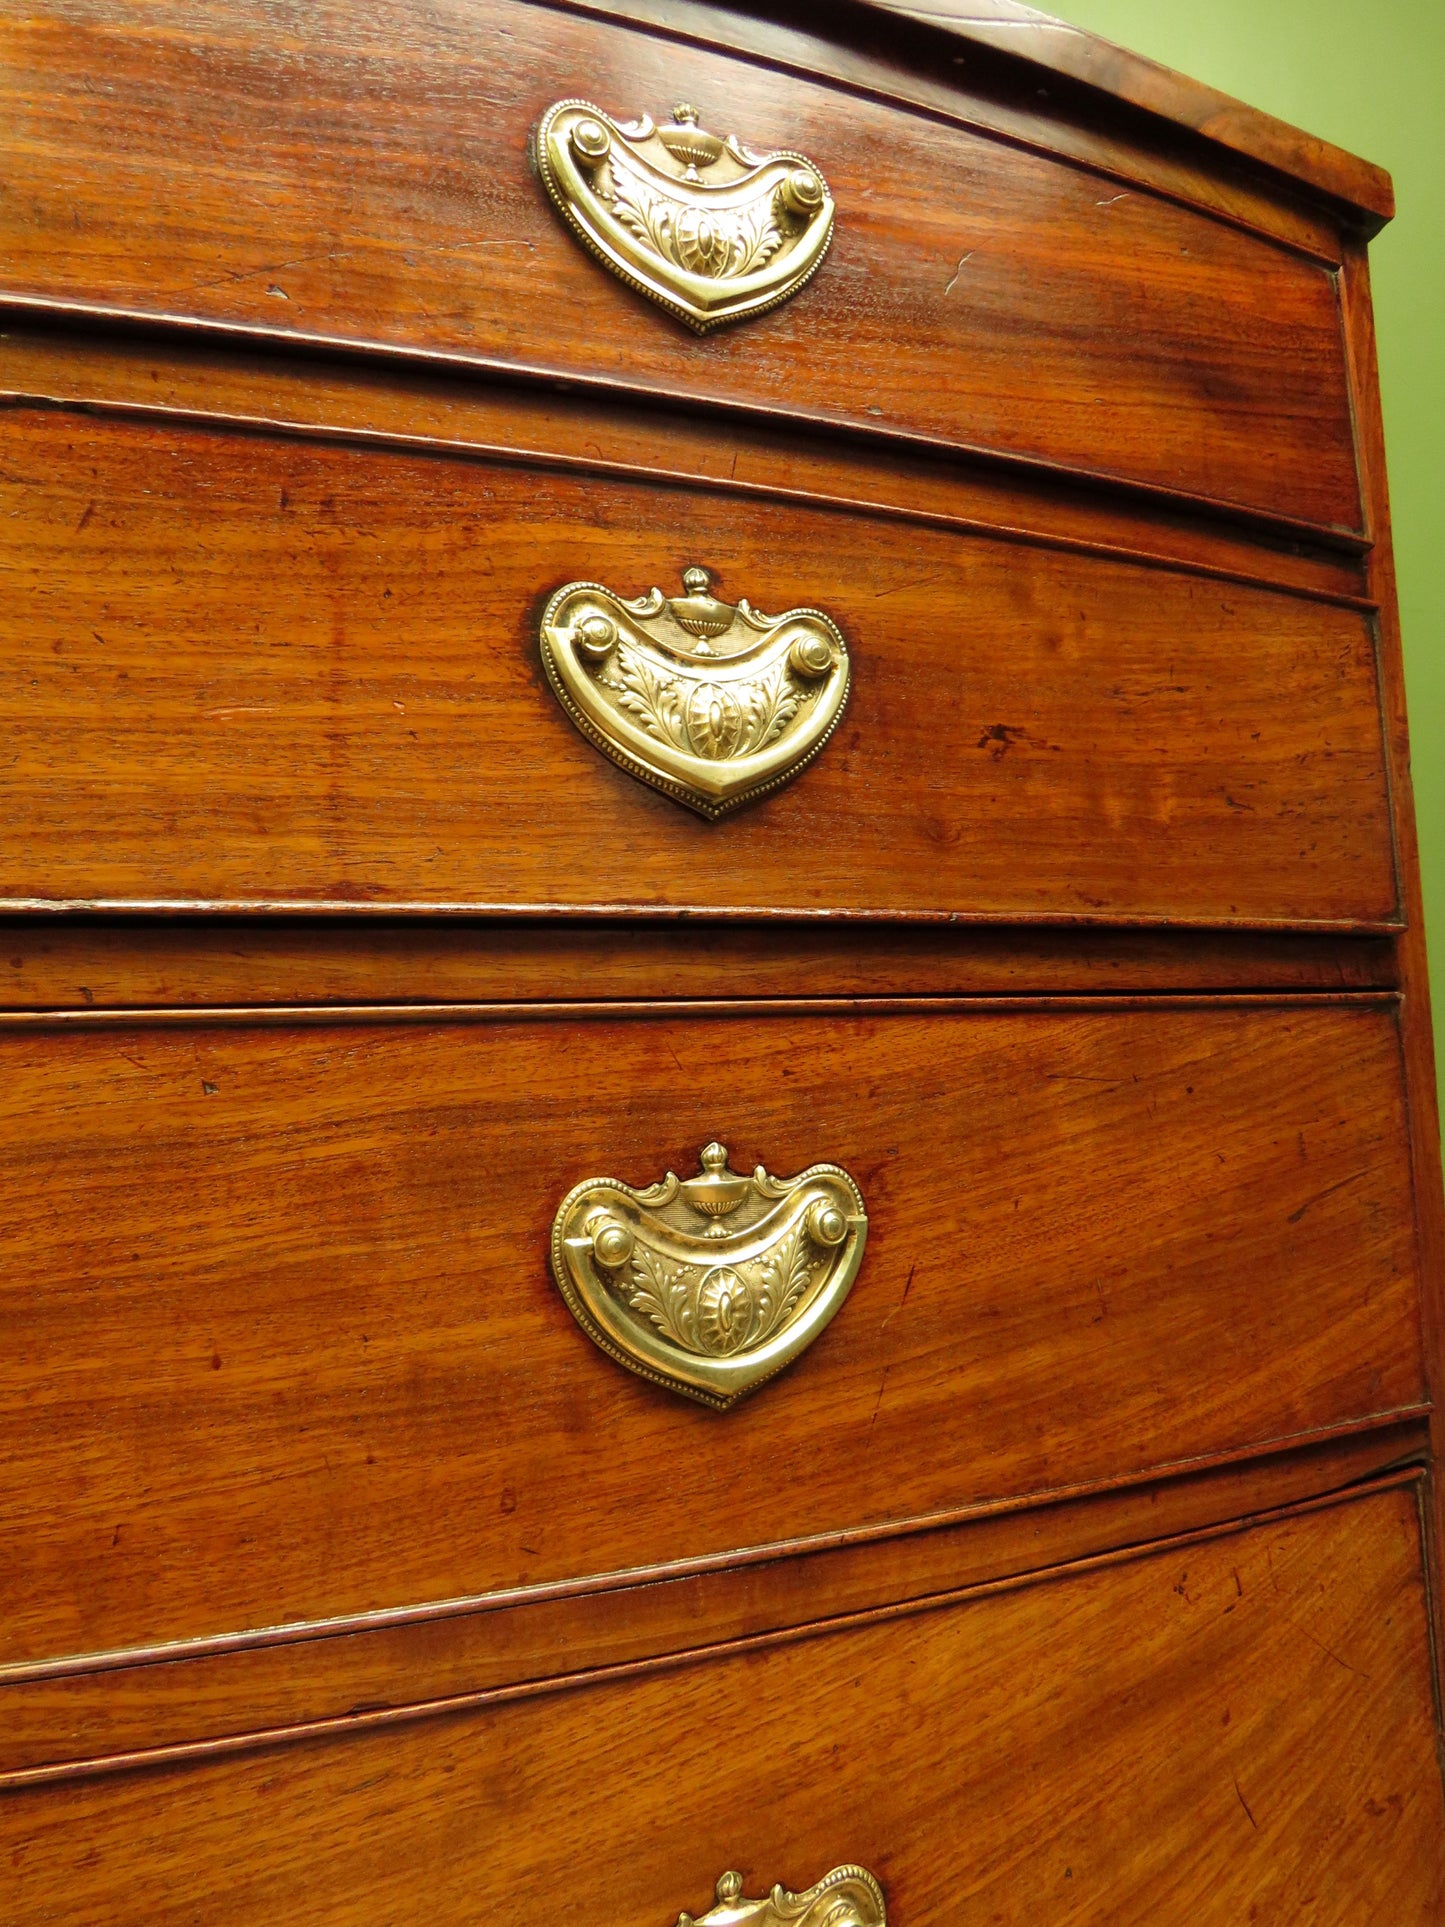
295	1305
252	669
368	178
997	1759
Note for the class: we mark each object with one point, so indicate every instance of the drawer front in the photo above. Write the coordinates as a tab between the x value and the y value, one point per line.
371	181
251	669
1236	1728
285	1343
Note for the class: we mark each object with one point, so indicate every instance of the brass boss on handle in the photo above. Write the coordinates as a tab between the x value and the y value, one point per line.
709	1285
695	221
846	1897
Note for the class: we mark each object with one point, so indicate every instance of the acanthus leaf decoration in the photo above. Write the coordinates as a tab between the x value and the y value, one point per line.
699	224
712	702
709	1285
849	1896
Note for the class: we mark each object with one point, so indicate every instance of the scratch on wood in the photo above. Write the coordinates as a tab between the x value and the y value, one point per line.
902	1301
1245	1804
1319	1196
1330	1653
878	1401
921	583
1029	21
963	261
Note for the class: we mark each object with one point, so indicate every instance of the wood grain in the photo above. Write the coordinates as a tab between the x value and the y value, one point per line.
1027	33
285	1344
250	669
369	181
1414	963
90	1708
1073	1574
155	373
84	964
1272	1699
884	55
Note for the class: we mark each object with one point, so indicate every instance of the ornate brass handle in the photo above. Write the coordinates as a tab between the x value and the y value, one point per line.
709	251
846	1897
709	1285
712	702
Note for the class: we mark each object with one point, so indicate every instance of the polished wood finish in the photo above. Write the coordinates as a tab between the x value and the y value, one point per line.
881	54
1030	733
52	964
1117	333
1069	51
1414	969
327	1319
1084	1568
1065	1782
61	1717
150	373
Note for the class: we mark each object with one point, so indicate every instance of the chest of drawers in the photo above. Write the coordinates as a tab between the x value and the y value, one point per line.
720	1192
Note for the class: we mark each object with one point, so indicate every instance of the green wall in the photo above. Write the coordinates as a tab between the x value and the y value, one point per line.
1368	75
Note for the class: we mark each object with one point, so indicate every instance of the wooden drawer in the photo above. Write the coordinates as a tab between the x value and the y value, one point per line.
284	1343
252	669
367	180
1230	1728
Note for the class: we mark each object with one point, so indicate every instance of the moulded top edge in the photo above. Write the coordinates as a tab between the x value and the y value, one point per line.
1008	26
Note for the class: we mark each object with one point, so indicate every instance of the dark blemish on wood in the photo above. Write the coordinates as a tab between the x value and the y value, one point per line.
998	738
1245	1804
1330	1653
883	1386
1309	1203
902	1301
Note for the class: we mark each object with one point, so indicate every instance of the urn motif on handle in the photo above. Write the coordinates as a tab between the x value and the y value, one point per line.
695	221
709	1285
712	702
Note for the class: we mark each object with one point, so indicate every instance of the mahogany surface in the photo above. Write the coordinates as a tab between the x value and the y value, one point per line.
60	1717
382	194
1069	1782
1088	1566
54	963
329	1349
151	373
1029	732
1124	76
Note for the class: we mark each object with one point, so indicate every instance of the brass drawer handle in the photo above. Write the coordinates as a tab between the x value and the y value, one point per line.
708	250
712	702
846	1897
709	1285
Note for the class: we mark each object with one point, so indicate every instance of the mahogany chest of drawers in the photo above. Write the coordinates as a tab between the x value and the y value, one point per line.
720	1191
